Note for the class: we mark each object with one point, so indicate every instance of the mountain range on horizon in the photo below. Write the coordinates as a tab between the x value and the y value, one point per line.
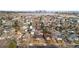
40	11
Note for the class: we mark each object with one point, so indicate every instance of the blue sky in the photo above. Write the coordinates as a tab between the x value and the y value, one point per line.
31	5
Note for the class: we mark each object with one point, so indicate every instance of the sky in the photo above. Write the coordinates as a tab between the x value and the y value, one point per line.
32	5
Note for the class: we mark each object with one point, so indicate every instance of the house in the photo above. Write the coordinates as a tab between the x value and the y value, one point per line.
73	37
